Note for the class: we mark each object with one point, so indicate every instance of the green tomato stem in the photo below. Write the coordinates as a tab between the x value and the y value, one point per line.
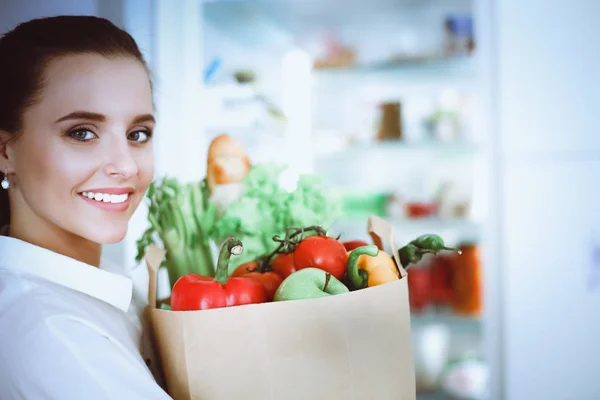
359	278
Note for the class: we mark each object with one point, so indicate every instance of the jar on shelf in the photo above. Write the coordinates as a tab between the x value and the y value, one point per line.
467	281
390	127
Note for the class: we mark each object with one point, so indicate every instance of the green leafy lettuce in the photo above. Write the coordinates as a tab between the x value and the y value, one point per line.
266	209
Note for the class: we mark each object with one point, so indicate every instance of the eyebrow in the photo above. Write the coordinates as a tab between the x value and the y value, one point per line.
140	119
101	118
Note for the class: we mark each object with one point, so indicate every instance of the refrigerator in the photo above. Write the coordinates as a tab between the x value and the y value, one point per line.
543	95
538	93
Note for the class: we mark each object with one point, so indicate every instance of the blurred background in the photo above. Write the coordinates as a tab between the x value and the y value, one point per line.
473	119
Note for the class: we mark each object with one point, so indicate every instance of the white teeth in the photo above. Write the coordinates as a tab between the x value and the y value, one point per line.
118	198
105	197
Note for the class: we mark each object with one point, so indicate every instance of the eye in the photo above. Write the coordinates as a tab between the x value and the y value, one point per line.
140	136
82	135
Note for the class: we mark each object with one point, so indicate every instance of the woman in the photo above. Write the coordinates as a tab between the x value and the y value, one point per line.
76	157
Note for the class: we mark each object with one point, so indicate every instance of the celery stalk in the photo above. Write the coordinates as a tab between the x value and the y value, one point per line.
177	215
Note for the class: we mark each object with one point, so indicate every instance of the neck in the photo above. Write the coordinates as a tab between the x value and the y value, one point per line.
49	236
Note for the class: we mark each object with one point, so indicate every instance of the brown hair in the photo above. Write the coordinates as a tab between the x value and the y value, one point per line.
26	51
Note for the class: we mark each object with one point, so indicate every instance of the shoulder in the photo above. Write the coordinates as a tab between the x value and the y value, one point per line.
36	311
35	361
24	296
27	306
56	355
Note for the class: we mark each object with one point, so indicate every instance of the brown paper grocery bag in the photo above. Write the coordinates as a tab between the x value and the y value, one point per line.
350	346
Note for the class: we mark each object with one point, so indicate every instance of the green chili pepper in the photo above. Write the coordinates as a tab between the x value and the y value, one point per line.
410	254
431	243
413	252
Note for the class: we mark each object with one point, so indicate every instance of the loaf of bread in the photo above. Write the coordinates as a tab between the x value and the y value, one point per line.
228	162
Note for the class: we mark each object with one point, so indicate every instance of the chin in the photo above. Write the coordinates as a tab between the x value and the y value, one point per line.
110	234
113	239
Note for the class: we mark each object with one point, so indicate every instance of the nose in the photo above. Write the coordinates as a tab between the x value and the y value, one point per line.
121	162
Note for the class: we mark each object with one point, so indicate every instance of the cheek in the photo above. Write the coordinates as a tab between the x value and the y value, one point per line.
50	165
145	165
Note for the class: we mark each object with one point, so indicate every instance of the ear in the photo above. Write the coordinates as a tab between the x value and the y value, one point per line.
5	138
3	143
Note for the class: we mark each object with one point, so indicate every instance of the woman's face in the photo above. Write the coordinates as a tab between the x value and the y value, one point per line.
85	158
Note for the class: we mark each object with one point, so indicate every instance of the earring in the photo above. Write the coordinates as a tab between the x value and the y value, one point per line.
5	182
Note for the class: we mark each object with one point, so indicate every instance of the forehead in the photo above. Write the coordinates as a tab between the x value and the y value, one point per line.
115	87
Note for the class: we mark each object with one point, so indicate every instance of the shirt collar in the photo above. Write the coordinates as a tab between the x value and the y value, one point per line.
112	288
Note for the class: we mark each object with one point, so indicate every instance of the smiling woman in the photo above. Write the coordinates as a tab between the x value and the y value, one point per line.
76	125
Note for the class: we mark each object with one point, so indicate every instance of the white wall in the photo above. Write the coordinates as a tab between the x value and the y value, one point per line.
544	59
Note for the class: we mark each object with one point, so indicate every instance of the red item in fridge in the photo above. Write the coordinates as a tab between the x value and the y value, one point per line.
441	279
467	282
418	288
420	210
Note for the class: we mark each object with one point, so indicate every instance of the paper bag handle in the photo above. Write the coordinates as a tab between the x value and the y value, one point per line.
380	230
154	257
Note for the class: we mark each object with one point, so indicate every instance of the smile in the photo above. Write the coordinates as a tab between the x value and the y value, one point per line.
109	199
106	197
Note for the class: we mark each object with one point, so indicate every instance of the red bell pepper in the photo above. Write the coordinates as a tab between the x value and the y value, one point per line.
197	292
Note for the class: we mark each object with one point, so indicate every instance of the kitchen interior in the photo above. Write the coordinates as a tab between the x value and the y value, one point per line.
380	99
473	119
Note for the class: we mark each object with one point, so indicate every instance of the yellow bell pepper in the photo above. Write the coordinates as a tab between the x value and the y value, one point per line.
368	266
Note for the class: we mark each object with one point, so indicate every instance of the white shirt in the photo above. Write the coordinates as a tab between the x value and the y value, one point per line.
68	330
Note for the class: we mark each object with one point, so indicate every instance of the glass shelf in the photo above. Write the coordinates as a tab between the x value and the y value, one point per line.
457	69
397	148
453	321
454	231
386	167
411	224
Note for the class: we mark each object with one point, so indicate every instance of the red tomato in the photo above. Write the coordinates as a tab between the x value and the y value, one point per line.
352	244
284	265
270	279
322	252
244	269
